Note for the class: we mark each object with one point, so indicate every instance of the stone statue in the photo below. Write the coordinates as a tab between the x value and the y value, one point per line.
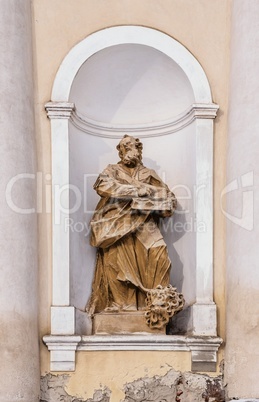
132	266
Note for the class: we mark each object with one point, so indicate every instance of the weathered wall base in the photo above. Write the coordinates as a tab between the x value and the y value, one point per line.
174	386
53	390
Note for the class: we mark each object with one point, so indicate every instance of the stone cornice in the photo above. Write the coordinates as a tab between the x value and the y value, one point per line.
203	349
99	129
67	110
59	110
148	342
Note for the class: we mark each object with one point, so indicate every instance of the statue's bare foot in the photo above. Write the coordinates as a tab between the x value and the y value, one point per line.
129	307
113	308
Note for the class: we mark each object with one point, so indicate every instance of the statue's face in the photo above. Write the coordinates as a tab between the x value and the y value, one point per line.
127	144
129	154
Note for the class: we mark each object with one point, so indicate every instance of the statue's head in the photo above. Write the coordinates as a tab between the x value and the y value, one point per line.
130	150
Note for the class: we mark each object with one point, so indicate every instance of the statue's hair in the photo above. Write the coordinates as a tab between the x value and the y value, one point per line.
138	145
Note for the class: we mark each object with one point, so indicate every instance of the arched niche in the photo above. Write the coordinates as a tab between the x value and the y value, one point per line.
137	80
125	87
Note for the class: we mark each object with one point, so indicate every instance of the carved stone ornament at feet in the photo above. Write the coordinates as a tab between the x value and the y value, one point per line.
162	304
132	265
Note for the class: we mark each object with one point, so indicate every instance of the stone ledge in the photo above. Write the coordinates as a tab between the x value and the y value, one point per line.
62	351
203	349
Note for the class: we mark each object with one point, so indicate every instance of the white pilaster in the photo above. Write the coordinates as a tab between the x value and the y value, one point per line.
204	310
19	371
62	314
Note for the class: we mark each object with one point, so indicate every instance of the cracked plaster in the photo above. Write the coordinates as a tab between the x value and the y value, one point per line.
53	390
174	386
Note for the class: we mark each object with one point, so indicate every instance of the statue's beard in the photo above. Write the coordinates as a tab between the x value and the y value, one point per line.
131	158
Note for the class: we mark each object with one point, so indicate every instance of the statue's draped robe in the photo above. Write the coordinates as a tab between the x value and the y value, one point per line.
132	255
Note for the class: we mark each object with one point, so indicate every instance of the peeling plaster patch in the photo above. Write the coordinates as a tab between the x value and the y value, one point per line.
175	387
214	390
53	390
100	396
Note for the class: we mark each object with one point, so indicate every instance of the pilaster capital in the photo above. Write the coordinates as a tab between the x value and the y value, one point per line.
59	110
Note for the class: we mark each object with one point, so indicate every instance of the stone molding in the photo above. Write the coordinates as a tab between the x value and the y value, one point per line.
134	35
59	110
203	349
99	129
67	110
62	351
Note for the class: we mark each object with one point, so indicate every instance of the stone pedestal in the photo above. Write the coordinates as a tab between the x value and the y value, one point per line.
122	323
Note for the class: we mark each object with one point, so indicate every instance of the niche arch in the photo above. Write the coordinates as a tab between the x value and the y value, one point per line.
63	114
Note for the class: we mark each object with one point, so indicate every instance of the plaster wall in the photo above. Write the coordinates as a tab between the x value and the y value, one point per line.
19	371
242	347
155	382
131	84
204	30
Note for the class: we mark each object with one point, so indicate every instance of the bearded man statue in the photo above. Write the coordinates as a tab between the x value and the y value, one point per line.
132	256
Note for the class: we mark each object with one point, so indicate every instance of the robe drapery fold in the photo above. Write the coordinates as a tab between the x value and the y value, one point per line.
132	255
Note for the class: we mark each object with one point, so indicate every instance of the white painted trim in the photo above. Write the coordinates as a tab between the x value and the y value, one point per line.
204	317
59	110
204	312
146	342
203	348
130	35
62	320
62	352
99	129
59	115
204	210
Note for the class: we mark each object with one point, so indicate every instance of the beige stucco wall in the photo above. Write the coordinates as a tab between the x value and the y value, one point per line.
115	369
242	347
204	30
